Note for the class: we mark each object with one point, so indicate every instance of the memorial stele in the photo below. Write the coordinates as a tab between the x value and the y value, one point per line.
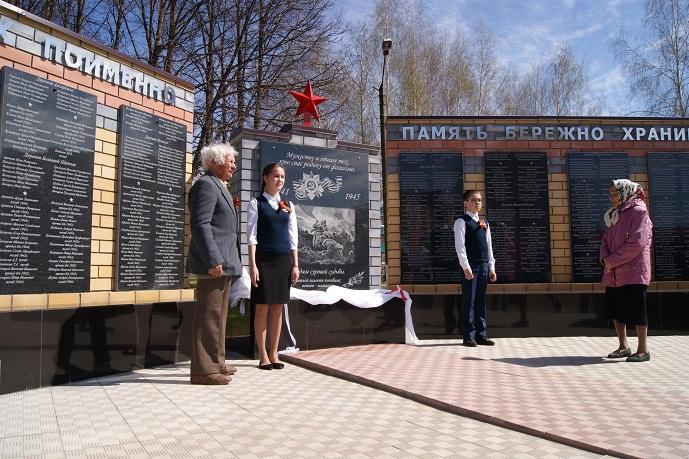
85	209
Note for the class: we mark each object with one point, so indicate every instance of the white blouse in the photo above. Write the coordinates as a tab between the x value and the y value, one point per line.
252	220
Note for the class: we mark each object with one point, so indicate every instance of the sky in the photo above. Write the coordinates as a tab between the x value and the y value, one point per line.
528	32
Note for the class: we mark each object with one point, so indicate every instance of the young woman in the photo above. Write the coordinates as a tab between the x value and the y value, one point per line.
273	261
625	254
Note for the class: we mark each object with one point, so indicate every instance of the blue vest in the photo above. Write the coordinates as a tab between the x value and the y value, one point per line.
272	233
475	240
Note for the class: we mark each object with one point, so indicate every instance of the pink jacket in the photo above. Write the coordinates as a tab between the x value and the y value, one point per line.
626	246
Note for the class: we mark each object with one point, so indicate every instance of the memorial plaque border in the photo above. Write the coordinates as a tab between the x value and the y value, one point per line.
519	273
438	268
173	259
601	204
62	152
332	184
676	250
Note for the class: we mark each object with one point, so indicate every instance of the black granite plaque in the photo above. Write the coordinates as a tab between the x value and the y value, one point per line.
46	168
669	199
329	189
517	209
431	188
150	243
590	175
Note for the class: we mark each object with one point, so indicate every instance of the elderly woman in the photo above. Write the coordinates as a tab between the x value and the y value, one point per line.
625	254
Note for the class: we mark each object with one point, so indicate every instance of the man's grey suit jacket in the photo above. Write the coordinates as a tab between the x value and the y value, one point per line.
213	220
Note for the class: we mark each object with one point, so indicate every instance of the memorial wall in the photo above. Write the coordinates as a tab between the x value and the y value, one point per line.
545	184
95	154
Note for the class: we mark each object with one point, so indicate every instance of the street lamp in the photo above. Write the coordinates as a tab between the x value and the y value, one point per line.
387	45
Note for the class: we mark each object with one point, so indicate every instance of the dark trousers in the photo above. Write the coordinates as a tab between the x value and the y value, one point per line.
210	319
474	302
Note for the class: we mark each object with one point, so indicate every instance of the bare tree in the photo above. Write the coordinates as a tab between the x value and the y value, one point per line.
455	83
558	87
567	83
156	28
658	66
358	95
485	69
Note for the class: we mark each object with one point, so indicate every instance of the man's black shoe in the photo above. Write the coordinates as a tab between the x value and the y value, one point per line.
485	342
469	343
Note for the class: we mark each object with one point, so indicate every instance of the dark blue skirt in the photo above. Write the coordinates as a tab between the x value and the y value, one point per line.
274	273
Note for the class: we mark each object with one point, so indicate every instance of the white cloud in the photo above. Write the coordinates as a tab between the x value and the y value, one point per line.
609	81
612	84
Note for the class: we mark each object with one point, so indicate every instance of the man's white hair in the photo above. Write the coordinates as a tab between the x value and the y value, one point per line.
216	153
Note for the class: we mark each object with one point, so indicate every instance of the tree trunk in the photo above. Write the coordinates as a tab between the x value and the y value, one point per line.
259	65
119	19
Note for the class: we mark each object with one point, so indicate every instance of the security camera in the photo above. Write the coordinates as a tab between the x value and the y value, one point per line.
387	45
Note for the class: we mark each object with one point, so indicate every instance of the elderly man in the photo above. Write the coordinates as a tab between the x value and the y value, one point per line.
214	258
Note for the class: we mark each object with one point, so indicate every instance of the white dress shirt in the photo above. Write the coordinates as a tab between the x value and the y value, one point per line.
252	220
460	233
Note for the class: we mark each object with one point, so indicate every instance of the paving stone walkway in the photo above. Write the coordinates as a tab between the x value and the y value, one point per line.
291	413
557	388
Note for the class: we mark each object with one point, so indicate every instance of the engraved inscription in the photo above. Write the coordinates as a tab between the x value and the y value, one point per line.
46	165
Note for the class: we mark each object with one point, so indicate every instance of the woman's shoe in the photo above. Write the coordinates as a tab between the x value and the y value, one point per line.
267	366
619	353
278	365
639	357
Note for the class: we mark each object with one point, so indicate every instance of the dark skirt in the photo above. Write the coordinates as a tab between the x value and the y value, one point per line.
274	279
627	304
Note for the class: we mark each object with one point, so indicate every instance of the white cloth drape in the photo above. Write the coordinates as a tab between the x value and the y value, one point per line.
361	299
374	298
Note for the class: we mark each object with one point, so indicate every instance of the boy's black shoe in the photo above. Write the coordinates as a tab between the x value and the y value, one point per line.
485	342
469	343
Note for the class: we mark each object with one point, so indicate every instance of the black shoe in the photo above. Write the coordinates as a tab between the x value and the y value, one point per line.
469	343
485	342
278	365
267	366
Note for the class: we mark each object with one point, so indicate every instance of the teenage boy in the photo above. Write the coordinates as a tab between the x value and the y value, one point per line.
475	253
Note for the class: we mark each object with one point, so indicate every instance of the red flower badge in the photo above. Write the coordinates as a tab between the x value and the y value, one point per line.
284	206
236	202
482	223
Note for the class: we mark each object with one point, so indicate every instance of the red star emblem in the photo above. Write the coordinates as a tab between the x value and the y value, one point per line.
307	103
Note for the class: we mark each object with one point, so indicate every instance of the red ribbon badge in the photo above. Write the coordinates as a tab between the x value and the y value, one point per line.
284	206
397	289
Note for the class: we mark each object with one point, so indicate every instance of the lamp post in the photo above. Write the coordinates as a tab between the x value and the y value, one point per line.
387	45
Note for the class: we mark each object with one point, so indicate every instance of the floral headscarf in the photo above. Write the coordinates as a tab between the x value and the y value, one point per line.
628	192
